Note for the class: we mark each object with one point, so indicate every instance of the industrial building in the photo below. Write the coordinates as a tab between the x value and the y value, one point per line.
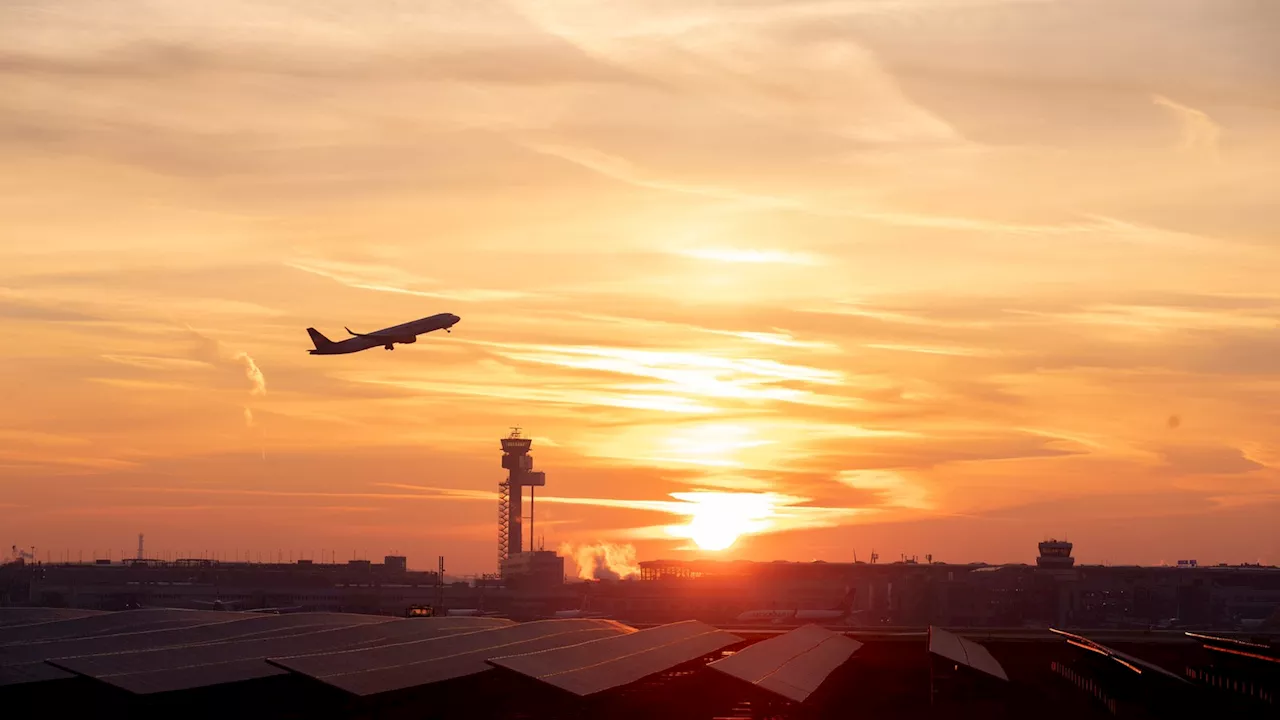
1054	591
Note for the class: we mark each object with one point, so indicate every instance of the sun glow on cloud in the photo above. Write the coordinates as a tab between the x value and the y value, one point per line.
859	278
768	257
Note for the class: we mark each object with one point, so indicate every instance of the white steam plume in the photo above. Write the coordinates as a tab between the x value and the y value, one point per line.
602	560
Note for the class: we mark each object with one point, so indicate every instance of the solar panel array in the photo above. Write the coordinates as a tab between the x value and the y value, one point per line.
25	647
411	664
593	667
225	628
10	617
792	665
172	667
109	624
145	652
965	652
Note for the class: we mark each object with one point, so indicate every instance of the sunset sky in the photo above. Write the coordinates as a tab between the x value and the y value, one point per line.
917	276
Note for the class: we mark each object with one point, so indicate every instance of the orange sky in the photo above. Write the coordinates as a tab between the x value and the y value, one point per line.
938	277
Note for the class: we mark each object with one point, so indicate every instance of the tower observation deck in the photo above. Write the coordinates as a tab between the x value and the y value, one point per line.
518	463
1055	554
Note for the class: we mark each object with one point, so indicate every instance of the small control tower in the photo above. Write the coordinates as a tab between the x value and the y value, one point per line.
518	463
1055	554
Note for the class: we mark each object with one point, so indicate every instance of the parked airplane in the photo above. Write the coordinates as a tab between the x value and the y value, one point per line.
580	612
472	612
220	604
842	613
404	334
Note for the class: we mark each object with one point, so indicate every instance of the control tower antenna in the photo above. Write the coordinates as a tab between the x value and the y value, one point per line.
518	463
140	555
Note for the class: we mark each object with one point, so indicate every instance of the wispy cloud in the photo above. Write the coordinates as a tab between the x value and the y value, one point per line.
779	338
580	396
761	257
892	488
383	278
697	373
744	512
1199	133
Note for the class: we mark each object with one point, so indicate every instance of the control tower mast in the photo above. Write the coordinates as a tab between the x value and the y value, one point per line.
518	463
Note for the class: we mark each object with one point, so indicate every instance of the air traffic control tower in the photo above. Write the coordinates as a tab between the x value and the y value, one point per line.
518	463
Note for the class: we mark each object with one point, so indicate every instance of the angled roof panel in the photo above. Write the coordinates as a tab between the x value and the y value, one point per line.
187	667
598	665
964	651
10	617
1264	652
110	623
31	672
791	665
1133	663
410	664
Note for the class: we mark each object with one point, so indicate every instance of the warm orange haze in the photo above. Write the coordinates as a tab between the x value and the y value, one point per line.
762	279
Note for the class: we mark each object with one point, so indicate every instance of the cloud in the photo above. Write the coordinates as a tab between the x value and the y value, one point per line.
765	257
1199	132
383	278
891	488
763	512
542	61
152	362
215	353
1208	461
16	305
779	338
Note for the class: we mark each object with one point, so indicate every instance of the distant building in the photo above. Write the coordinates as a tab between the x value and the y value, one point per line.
537	569
353	586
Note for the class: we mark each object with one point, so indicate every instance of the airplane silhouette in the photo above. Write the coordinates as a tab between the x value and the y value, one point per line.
229	605
403	334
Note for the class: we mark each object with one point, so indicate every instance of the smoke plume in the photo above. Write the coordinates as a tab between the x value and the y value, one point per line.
215	353
251	371
602	560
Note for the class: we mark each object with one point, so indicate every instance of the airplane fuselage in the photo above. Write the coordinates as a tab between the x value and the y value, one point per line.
568	614
402	334
784	616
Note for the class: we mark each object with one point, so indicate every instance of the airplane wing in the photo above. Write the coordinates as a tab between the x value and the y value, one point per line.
363	335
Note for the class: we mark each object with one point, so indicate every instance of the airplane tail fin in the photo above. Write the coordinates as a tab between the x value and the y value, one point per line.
319	340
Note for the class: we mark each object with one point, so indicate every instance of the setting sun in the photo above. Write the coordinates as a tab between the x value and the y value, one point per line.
718	519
